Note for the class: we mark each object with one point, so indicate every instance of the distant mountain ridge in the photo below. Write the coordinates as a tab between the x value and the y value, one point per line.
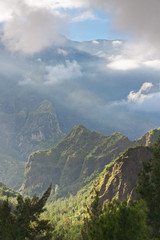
81	155
40	128
25	126
36	113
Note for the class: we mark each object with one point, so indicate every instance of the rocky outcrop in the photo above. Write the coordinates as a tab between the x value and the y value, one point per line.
149	138
26	125
40	131
119	180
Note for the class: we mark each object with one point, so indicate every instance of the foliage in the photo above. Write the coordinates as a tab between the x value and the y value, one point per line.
11	166
24	223
5	191
116	221
149	188
67	214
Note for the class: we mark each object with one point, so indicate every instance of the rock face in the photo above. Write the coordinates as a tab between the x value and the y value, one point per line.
26	125
41	130
119	180
78	156
149	138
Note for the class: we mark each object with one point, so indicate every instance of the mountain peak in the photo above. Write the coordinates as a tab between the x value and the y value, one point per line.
45	107
78	156
150	137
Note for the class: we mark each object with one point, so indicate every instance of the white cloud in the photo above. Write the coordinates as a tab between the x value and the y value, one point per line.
29	29
155	64
140	18
87	15
123	64
141	94
132	56
149	104
62	52
59	73
58	3
116	43
95	42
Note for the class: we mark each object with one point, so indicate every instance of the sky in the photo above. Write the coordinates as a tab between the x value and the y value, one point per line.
41	24
116	82
98	26
81	22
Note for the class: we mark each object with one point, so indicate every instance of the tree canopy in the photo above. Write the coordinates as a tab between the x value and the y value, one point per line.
24	222
149	188
116	221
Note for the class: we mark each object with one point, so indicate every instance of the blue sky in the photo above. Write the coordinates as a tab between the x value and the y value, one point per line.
101	26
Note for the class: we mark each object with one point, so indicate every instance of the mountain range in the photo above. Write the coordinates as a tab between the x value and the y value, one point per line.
42	97
81	156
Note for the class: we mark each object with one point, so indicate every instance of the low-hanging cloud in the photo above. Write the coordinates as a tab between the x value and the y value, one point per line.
59	73
146	99
132	56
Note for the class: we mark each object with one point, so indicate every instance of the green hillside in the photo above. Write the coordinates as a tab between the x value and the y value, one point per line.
77	159
11	166
117	181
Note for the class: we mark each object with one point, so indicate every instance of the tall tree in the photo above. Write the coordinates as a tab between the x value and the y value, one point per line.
116	221
24	222
149	188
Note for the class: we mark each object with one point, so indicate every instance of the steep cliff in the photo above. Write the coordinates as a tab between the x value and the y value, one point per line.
82	154
119	180
40	131
77	159
27	124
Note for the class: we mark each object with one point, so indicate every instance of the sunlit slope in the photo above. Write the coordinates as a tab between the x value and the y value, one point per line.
80	155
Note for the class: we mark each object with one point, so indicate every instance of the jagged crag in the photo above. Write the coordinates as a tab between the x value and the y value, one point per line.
81	156
27	123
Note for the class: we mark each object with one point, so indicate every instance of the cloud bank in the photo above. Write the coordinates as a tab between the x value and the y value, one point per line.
62	72
41	23
28	29
141	18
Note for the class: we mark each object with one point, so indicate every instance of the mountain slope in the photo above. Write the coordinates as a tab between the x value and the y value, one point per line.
149	138
27	123
78	156
11	166
119	180
40	131
76	160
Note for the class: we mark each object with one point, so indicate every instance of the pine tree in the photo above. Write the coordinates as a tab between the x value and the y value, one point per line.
148	188
24	223
116	221
7	220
